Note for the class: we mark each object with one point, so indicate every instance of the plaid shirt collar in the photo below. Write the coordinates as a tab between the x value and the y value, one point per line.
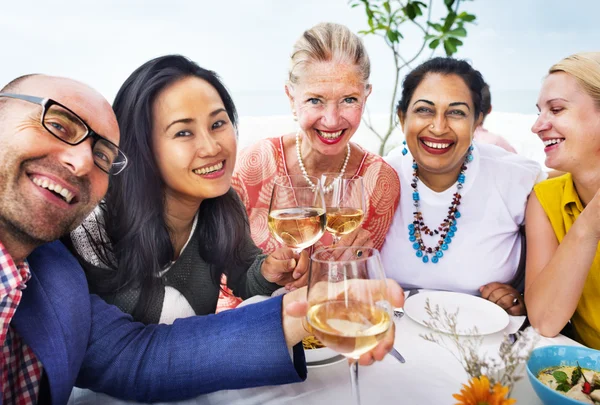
20	370
12	275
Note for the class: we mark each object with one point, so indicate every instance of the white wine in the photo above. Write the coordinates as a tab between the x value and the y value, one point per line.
297	227
351	328
342	221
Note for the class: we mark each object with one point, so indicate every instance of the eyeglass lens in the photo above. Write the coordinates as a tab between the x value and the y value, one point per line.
68	127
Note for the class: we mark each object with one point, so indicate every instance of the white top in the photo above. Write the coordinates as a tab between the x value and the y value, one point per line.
175	305
486	246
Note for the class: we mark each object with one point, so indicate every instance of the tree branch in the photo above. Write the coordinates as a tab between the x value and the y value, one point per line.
417	54
400	62
457	4
394	94
407	64
367	122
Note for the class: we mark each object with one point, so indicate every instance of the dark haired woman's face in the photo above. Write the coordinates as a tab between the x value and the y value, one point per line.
194	141
439	123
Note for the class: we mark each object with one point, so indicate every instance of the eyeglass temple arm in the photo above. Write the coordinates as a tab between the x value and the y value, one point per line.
31	99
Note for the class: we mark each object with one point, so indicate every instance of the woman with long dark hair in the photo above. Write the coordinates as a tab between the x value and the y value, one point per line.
171	227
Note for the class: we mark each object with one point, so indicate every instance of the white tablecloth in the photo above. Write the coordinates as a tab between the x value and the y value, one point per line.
430	376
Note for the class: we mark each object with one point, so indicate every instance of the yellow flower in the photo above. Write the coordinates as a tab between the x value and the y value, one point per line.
479	392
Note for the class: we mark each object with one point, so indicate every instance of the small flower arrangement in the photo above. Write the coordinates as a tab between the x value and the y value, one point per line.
479	391
491	379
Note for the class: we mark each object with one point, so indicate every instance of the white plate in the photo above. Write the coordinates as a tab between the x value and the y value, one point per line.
320	354
472	311
324	363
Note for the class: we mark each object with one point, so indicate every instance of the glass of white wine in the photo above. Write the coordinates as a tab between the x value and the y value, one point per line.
345	203
297	211
349	310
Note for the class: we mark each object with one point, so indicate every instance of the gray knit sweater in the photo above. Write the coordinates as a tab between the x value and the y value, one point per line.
189	274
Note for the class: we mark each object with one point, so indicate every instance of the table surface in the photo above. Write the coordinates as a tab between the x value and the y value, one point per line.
430	375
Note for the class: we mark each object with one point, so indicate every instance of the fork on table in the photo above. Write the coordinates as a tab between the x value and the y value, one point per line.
394	352
399	313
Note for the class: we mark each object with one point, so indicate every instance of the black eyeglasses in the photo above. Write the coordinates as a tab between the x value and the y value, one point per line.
67	126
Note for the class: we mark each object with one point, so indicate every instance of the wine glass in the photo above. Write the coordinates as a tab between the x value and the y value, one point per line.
348	308
297	211
345	203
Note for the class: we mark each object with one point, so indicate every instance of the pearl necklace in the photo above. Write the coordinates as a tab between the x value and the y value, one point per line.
305	174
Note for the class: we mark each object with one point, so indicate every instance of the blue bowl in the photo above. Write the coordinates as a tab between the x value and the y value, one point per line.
552	356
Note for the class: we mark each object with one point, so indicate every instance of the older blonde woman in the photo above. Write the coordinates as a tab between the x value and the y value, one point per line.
328	86
563	215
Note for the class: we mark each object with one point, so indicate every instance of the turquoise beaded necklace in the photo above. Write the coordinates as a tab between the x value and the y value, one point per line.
447	228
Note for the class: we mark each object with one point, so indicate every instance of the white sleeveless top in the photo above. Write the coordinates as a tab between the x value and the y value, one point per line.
487	244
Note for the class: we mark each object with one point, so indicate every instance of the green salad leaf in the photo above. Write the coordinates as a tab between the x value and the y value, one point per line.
577	374
560	377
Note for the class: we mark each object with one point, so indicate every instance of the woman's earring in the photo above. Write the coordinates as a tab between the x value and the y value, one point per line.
404	150
294	114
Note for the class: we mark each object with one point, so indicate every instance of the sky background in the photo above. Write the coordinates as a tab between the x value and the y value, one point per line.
249	42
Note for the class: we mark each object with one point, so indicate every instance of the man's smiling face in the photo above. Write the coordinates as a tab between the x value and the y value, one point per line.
36	168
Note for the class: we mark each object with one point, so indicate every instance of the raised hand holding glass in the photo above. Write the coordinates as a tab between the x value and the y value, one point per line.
349	310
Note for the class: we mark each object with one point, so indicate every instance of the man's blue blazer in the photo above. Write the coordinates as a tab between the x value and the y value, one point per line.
81	340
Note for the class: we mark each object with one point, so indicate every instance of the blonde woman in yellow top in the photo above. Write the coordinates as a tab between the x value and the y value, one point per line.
563	214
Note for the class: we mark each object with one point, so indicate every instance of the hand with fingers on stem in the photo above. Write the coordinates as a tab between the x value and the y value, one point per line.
349	308
286	268
360	237
295	308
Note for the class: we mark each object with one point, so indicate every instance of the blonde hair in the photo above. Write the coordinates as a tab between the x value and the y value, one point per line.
327	42
585	68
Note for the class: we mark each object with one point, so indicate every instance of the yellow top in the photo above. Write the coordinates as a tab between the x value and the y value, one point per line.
562	205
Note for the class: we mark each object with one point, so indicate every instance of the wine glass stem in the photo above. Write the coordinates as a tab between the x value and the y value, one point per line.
354	381
335	239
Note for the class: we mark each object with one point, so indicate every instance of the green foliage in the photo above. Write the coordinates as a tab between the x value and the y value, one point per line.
562	381
577	374
386	18
560	376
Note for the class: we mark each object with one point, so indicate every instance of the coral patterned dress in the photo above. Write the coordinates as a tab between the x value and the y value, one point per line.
253	178
259	165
